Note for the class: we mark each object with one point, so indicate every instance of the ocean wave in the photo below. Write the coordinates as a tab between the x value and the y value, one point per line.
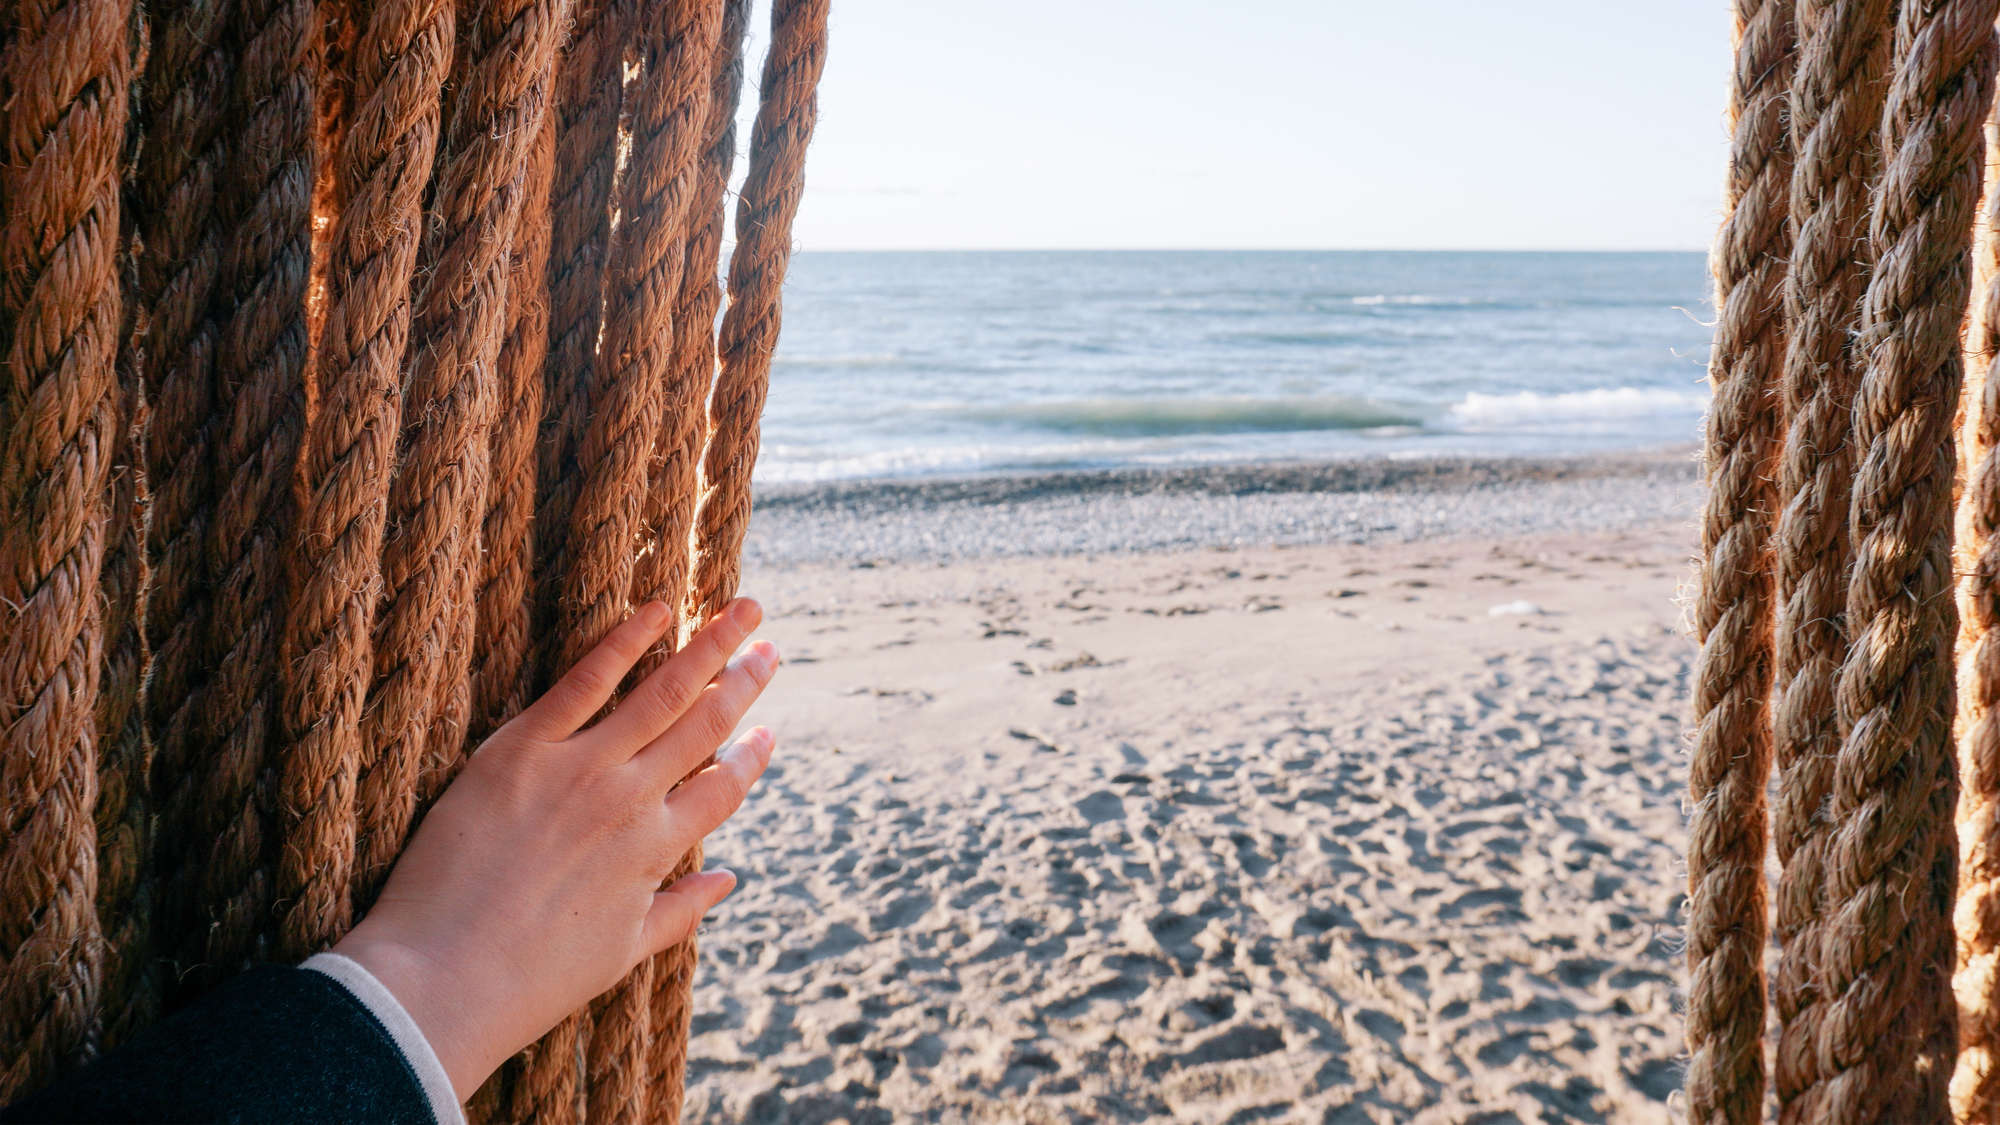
865	359
1535	409
1415	299
1171	417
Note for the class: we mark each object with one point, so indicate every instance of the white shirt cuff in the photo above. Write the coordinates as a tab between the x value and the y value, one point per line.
409	1038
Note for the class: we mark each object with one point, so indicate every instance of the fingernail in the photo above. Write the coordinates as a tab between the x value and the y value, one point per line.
762	659
653	615
758	739
746	612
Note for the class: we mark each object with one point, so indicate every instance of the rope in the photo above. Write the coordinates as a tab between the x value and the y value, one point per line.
1885	956
1836	108
542	1081
1975	1086
128	991
501	646
589	102
769	200
400	60
421	703
1732	738
262	361
182	161
667	108
65	75
765	207
672	478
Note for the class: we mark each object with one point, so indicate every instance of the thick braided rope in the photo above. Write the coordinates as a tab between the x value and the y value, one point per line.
127	993
262	360
183	158
65	77
673	475
590	82
1731	756
420	705
667	111
788	109
674	481
1975	1085
1836	110
501	646
402	53
1885	958
766	205
590	99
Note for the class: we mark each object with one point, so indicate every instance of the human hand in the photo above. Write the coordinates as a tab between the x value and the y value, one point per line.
533	884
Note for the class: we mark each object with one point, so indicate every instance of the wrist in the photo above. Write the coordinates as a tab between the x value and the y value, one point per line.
424	989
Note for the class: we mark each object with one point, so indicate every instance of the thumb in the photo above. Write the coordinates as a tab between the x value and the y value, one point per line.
677	910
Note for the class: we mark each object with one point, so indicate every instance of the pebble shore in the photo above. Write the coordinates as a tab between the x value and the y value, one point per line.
1356	502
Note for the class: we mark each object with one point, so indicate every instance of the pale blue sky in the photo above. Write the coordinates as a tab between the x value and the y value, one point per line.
1572	124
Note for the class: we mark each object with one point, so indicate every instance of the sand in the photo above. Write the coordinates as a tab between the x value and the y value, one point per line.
1376	830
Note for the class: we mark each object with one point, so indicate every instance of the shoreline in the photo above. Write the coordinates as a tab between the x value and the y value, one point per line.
875	521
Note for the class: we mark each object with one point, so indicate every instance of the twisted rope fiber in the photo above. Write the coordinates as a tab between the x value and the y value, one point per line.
1975	1086
183	153
1731	756
335	105
766	206
500	656
674	484
590	95
667	107
64	76
1836	109
590	80
673	473
127	987
421	701
401	54
589	105
1885	958
262	361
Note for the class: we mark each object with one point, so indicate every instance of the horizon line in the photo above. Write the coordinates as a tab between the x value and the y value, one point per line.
1250	250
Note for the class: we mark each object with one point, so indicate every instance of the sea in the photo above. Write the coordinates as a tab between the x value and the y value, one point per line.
950	363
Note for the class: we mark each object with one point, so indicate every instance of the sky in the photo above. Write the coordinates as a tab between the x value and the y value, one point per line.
1280	124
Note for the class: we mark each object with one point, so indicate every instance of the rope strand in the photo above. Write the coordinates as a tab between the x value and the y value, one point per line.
673	475
787	110
1885	955
1975	1086
262	360
183	157
65	76
421	703
401	56
667	107
1836	110
502	646
1731	756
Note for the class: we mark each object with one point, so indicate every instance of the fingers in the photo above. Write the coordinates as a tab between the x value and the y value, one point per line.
587	687
711	796
691	739
678	909
666	695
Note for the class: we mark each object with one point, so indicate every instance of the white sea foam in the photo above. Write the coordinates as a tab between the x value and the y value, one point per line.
1609	406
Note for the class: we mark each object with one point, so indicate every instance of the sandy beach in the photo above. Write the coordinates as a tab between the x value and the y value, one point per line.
1329	793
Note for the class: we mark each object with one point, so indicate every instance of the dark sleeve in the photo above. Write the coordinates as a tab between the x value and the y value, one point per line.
273	1044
